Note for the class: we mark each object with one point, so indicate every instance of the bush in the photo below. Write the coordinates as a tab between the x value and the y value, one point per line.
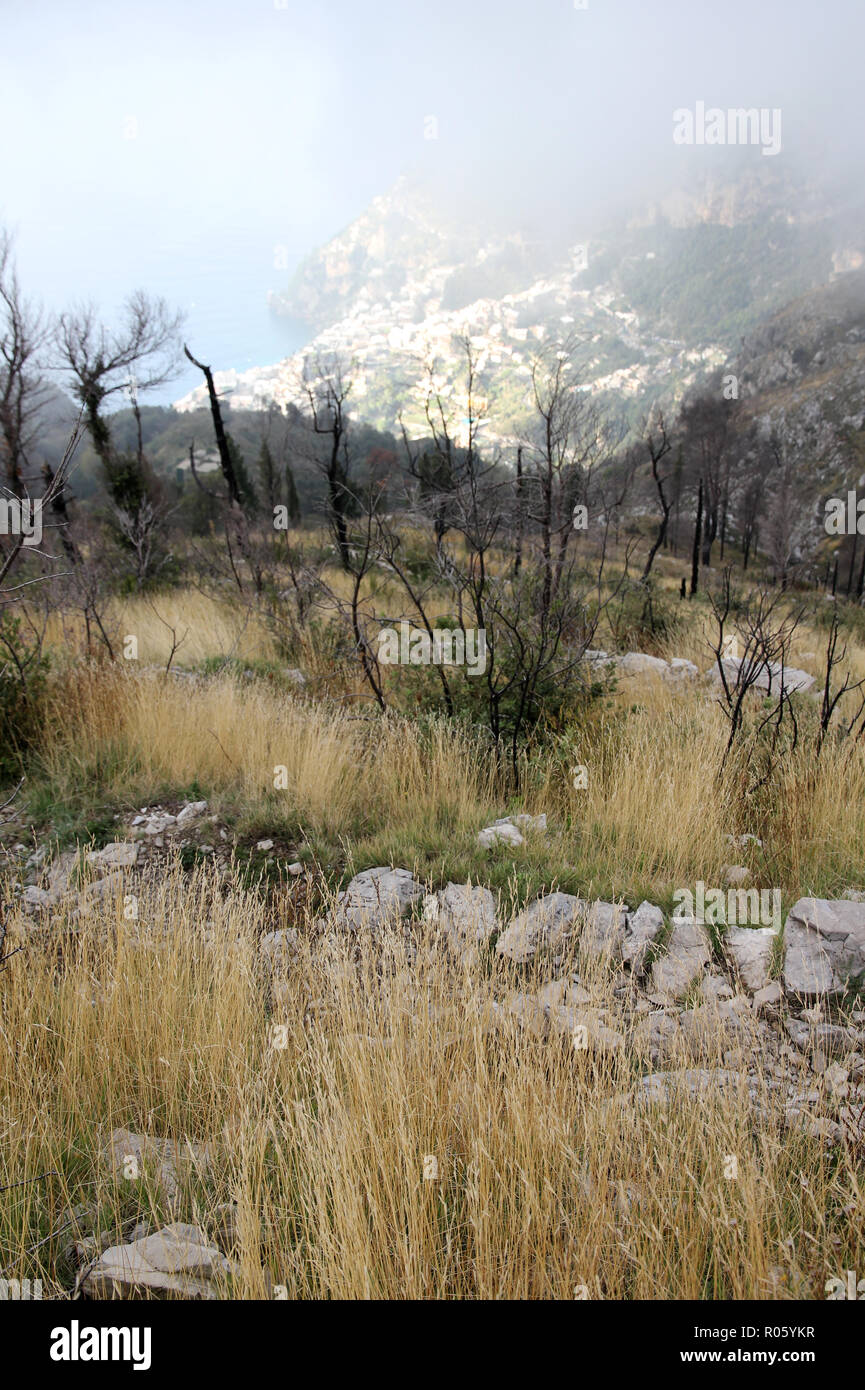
23	672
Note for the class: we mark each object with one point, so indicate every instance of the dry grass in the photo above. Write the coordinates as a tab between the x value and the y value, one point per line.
204	626
652	818
550	1179
545	1185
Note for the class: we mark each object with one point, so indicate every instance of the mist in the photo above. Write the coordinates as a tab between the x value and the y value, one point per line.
203	151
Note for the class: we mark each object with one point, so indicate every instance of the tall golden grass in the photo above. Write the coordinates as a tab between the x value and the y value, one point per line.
384	1128
549	1180
653	816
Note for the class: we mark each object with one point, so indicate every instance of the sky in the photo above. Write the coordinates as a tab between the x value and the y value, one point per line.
200	148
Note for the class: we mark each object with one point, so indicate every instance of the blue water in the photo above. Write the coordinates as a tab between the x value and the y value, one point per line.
237	331
220	279
228	321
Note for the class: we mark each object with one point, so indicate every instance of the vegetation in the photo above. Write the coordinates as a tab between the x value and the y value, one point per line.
380	1120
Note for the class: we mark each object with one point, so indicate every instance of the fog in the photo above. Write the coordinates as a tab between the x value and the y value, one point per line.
201	149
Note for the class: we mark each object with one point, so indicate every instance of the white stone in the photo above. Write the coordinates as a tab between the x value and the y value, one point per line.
36	897
158	822
680	669
735	875
120	854
177	1260
375	898
542	924
161	1157
641	930
768	999
278	948
465	915
503	833
603	931
686	958
825	946
527	822
640	663
751	950
769	679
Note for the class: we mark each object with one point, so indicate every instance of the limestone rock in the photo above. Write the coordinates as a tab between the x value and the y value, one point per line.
158	822
831	1039
751	950
742	841
770	680
132	1157
603	931
34	898
735	875
175	1261
466	916
61	871
120	854
529	1013
815	1126
640	663
376	898
768	999
715	987
680	669
543	924
588	1030
693	1083
278	948
502	832
641	931
686	958
710	1029
825	946
658	1036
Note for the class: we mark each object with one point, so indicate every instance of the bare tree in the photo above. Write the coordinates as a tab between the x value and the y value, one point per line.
23	336
708	422
327	387
788	520
698	531
658	446
99	360
764	629
567	440
53	488
235	520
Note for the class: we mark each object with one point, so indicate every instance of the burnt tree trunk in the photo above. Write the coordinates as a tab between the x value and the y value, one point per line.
698	527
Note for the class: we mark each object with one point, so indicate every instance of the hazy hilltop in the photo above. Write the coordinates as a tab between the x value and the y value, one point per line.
656	298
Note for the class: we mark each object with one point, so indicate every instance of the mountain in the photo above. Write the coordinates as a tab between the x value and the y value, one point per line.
654	300
801	377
